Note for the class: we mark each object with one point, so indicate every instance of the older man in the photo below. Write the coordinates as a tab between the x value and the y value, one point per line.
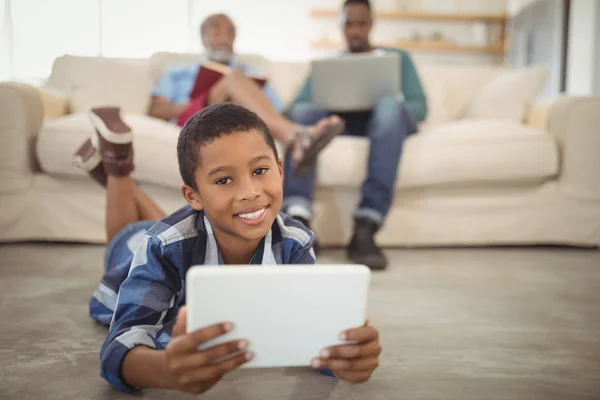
171	95
386	126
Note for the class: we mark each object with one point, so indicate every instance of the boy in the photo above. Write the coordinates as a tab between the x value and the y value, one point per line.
233	185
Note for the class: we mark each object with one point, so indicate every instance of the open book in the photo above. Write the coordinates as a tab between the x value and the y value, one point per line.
211	72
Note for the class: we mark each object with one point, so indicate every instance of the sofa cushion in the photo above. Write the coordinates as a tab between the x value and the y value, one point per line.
450	88
155	147
98	81
457	153
509	94
462	153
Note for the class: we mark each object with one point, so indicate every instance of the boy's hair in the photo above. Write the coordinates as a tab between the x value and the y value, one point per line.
210	124
350	2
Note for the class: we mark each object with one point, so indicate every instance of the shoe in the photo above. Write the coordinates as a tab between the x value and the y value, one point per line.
363	249
88	158
316	247
114	140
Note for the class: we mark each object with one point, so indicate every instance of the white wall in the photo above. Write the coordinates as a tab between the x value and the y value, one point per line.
514	6
41	30
4	44
583	61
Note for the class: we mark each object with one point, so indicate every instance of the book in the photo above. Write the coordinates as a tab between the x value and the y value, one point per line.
211	72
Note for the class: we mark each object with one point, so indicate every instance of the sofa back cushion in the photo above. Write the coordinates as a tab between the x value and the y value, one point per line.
95	81
98	81
450	89
508	95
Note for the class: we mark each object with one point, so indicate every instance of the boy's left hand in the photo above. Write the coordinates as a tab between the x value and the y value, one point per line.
353	363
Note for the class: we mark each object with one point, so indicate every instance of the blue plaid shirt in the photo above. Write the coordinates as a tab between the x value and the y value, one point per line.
144	285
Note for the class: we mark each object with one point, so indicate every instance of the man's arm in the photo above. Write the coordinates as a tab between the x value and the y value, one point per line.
414	96
163	94
163	109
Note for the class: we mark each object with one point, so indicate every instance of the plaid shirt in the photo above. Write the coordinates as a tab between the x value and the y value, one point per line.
151	282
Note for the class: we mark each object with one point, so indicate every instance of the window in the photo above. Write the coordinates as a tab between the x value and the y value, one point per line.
4	42
138	28
44	30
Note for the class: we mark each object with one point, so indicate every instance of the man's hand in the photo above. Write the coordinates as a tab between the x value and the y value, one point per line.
352	363
195	371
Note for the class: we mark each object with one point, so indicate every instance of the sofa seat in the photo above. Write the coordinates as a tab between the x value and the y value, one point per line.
459	153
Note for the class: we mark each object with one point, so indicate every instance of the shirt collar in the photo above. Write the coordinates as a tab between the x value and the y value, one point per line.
263	255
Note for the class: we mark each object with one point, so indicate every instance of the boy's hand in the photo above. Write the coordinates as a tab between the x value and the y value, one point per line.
352	363
195	371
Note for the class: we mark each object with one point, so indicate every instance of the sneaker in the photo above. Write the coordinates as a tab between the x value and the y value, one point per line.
316	247
114	140
88	158
362	249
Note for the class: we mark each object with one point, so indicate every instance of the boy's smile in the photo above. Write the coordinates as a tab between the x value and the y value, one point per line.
252	216
240	189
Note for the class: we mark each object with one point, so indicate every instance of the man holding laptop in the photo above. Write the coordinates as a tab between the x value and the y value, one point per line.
379	95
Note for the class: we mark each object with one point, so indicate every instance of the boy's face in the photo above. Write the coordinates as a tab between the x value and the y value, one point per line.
240	185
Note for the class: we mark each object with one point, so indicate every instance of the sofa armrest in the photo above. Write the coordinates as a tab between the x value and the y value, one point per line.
21	117
575	124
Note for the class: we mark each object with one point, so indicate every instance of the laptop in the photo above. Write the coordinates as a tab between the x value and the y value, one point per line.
288	313
355	82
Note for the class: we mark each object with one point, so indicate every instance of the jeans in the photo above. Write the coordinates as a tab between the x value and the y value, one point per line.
386	126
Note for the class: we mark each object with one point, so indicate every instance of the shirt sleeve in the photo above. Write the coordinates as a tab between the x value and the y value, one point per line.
274	97
145	312
302	251
414	95
165	87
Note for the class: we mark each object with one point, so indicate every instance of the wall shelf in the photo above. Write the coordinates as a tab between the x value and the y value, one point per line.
424	46
423	15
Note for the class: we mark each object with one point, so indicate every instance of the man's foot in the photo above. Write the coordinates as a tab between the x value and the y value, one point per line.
316	247
363	249
88	158
114	140
310	140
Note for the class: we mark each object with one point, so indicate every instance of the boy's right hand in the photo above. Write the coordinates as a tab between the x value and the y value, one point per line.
195	371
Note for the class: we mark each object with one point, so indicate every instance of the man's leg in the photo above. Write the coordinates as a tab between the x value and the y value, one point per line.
307	140
298	191
243	91
388	127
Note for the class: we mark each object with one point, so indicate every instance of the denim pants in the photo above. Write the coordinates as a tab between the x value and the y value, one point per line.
386	126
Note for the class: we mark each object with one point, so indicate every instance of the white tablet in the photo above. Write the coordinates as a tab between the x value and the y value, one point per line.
288	313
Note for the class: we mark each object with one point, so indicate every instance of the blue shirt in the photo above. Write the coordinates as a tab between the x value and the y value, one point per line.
144	283
177	83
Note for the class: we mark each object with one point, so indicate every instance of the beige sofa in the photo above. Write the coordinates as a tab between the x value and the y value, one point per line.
463	181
